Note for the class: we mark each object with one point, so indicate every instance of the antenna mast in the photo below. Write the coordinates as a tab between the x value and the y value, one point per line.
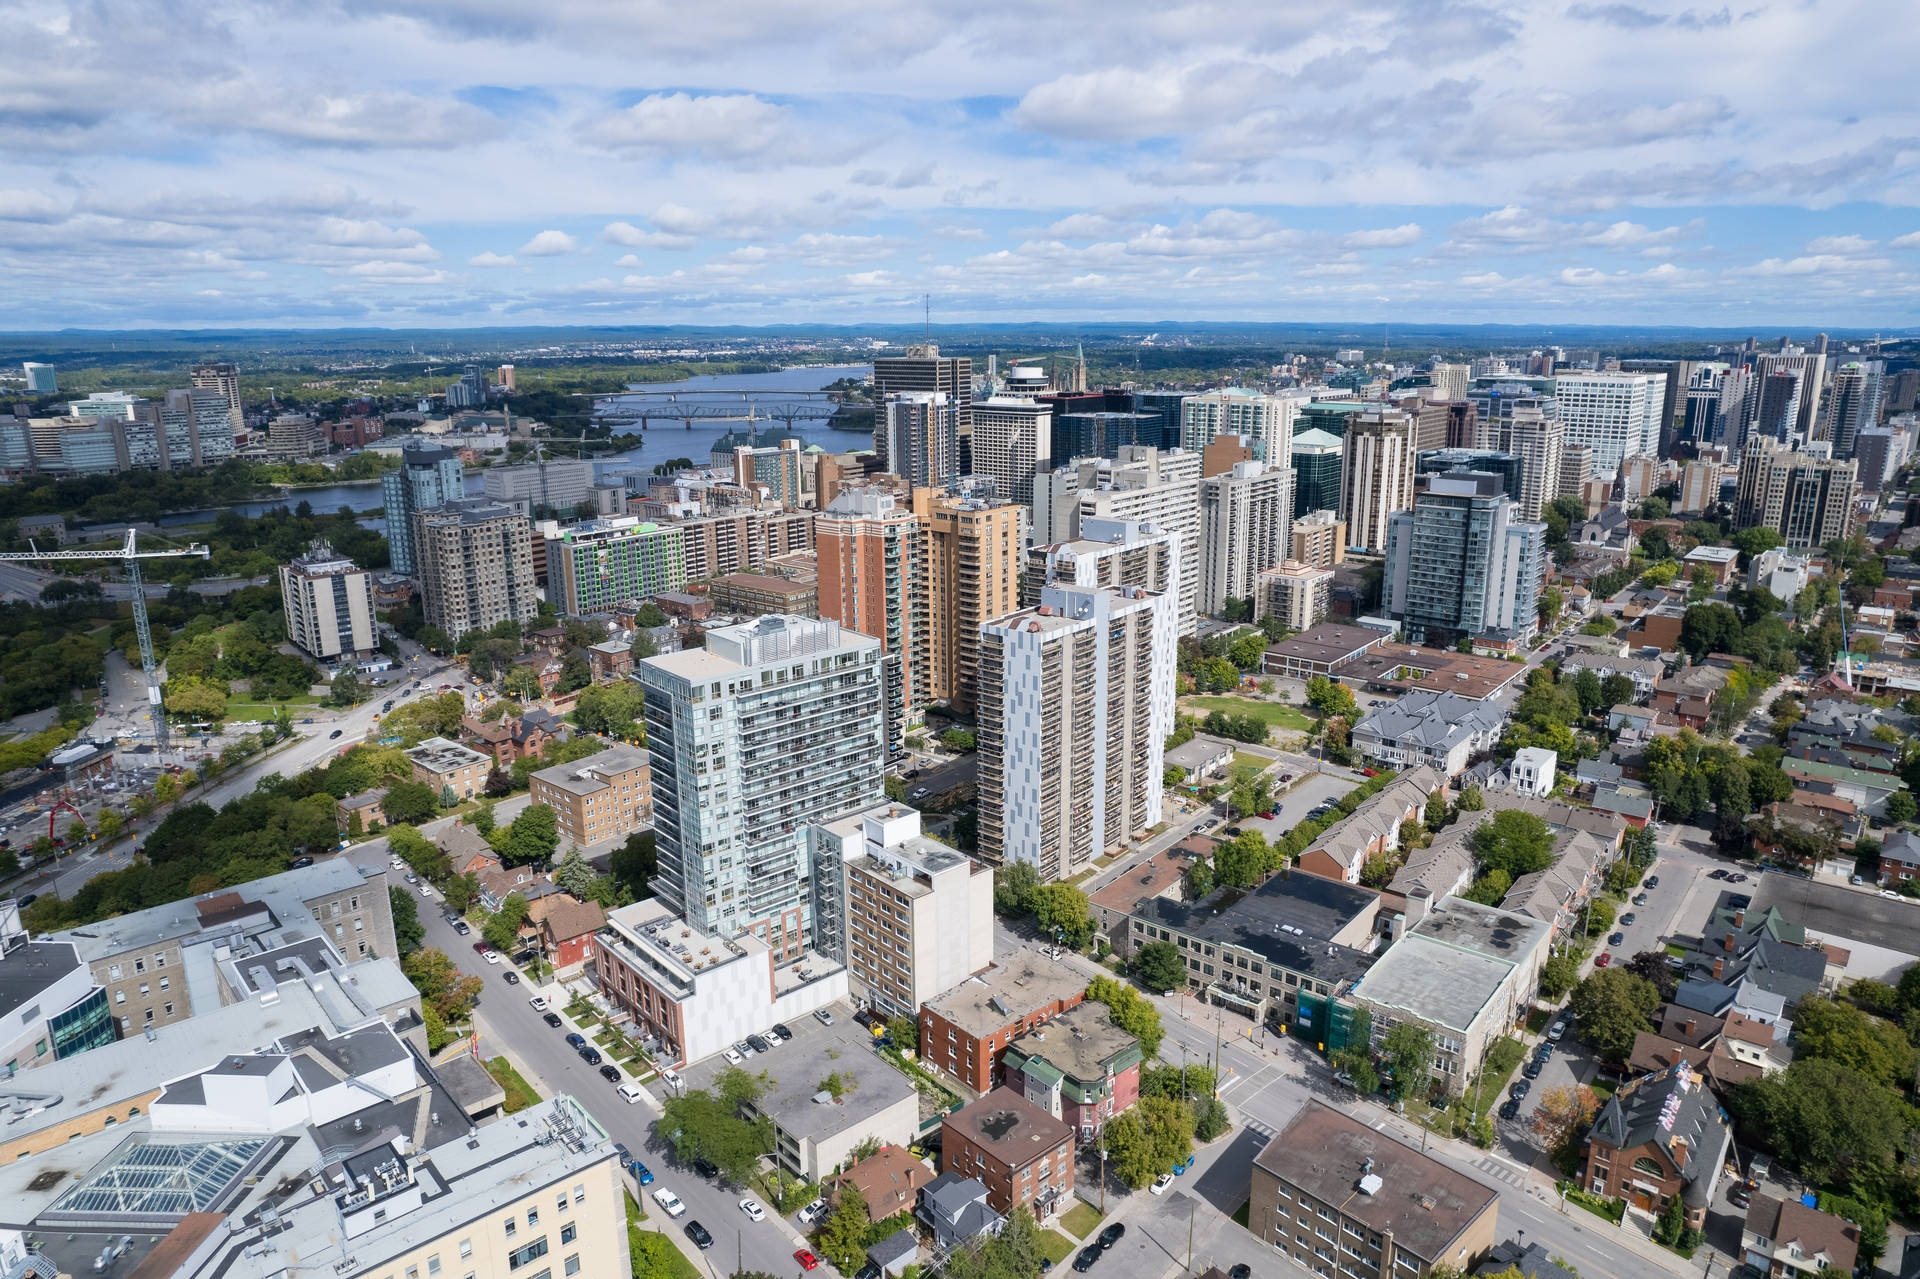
926	331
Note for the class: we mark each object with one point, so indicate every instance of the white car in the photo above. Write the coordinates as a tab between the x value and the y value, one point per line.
753	1210
539	1003
1161	1183
426	890
670	1076
813	1212
669	1202
733	1058
493	957
630	1093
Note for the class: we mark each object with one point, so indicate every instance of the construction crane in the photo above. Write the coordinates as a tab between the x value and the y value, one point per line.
129	555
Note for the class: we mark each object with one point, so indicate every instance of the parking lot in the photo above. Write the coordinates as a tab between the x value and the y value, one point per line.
1295	804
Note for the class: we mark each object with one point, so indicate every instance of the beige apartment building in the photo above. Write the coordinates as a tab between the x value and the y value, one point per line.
441	763
1376	474
1298	594
474	560
971	574
603	797
1319	539
1805	498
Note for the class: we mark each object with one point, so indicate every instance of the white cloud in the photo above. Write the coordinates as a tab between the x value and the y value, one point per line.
1135	102
1845	245
29	206
1911	240
493	260
630	236
549	244
1387	238
734	126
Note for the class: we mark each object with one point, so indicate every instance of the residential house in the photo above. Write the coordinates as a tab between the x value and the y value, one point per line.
1899	858
1786	1239
1019	1152
1441	869
1659	1136
366	806
567	929
1442	731
501	882
603	797
1558	894
1645	672
545	667
1201	756
955	1209
890	1180
1689	694
467	849
1079	1067
1372	828
1532	1260
1867	791
1721	561
1329	1191
1532	771
965	1030
610	659
524	736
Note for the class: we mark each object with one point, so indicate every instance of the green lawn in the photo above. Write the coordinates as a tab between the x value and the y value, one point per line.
1273	714
1257	763
1080	1220
1502	1060
520	1093
1055	1247
1537	1020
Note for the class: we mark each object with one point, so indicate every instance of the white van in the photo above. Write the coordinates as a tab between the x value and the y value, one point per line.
630	1092
669	1202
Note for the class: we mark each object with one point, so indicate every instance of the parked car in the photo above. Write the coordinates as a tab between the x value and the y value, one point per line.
704	1170
553	1020
1617	939
813	1212
758	1044
1113	1234
1161	1183
492	956
510	977
1533	1067
641	1173
670	1077
733	1058
576	1040
698	1233
1653	881
463	928
1510	1108
669	1202
1639	899
1605	960
298	862
806	1258
539	1003
753	1210
1628	919
610	1073
781	1032
822	1016
589	1054
1088	1255
335	733
1520	1088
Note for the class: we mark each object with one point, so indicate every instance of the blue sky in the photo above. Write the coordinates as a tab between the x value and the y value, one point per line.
440	162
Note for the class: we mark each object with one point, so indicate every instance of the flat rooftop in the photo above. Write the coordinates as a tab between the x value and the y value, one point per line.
1405	667
1835	911
1018	983
439	755
285	896
1452	964
1080	1042
796	1069
1009	1127
1327	643
33	969
1291	920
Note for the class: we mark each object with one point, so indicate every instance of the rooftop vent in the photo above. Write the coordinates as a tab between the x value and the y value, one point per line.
1370	1185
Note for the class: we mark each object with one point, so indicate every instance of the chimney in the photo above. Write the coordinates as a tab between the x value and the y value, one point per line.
1719	966
1727	943
1679	1149
1740	918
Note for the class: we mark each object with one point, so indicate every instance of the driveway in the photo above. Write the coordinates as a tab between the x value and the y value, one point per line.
1316	789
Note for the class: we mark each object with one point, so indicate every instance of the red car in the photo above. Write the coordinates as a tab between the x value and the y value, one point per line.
1604	960
1268	815
806	1259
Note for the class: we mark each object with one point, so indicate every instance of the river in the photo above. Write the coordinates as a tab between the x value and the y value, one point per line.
662	441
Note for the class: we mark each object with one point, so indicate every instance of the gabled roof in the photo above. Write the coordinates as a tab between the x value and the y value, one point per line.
570	919
1673	1110
1788	1221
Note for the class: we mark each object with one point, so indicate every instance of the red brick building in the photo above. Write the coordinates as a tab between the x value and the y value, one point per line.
964	1031
1079	1067
566	931
1020	1153
1659	1136
510	739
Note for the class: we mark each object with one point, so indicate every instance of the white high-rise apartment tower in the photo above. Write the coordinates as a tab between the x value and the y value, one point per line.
1615	414
1076	700
775	724
1246	523
1152	487
1012	441
1449	382
1265	422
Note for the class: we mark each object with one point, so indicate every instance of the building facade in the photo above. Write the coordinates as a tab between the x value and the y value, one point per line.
1319	539
1298	594
603	797
1265	422
923	441
475	565
1076	701
1246	524
868	549
970	557
427	478
1021	1154
328	603
1461	562
923	369
1080	1068
1615	414
1376	477
596	564
1316	472
1808	500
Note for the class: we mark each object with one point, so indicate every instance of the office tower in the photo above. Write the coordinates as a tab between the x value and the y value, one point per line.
922	444
1264	421
1167	405
1810	372
40	379
538	488
1155	487
1316	472
772	470
505	376
1820	341
108	404
475	565
1448	381
1012	442
1614	414
1296	593
1076	701
223	377
1330	416
1376	475
1699	487
1678	375
1246	525
909	917
923	369
1107	553
1463	424
1858	387
470	391
328	602
1576	468
1903	391
1777	396
1462	563
427	477
1880	451
1807	500
291	436
1319	539
868	548
775	724
1703	422
596	564
1496	403
1507	466
1431	421
970	574
1097	433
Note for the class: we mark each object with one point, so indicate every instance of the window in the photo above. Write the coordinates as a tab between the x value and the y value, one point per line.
1646	1165
512	1227
433	1264
466	1248
567	1232
580	1193
166	983
521	1256
533	1216
573	1264
560	1201
139	965
413	1272
149	1015
119	996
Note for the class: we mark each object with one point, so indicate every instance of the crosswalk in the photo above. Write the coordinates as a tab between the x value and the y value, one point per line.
1501	1170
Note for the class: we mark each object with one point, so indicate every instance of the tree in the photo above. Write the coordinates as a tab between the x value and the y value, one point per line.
957	739
1516	842
346	688
1836	1031
1830	1123
532	838
1408	1049
1436	813
1331	699
1129	1011
1159	967
1248	651
1014	885
440	984
410	802
574	874
1600	917
110	823
1559	974
1562	1114
1471	800
1611	1006
1061	910
1652	965
843	1239
1901	808
635	863
502	929
1148	1139
1200	878
196	698
1243	860
407	930
1377	871
1552	600
462	891
704	1124
1672	1223
426	858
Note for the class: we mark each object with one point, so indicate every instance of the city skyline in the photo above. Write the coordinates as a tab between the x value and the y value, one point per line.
475	166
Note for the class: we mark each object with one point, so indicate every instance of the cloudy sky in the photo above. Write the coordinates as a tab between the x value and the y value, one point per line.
437	162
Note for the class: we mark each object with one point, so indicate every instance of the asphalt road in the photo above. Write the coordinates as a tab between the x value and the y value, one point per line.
506	1017
19	581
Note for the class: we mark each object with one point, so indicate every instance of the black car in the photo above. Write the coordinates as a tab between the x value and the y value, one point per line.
335	733
704	1170
610	1073
298	862
1628	919
1543	1051
1510	1109
699	1234
1088	1255
1521	1087
759	1045
626	1156
1639	899
1719	872
553	1019
1617	939
510	977
576	1040
1653	881
1113	1234
1533	1068
781	1033
1231	831
522	957
1241	1271
869	1271
589	1054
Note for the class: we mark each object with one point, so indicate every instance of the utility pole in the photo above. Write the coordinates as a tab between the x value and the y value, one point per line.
1193	1205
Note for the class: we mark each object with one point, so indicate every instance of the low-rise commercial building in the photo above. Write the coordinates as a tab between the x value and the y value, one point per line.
755	594
1331	1193
964	1030
1021	1154
818	1120
1319	650
603	797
